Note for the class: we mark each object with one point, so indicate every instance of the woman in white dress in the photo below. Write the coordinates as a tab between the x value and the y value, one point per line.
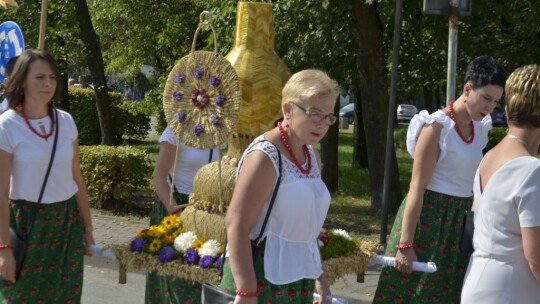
505	266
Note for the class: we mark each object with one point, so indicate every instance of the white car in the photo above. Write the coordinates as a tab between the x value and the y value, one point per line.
405	112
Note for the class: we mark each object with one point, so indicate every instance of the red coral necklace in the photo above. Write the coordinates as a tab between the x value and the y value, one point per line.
288	147
458	130
44	136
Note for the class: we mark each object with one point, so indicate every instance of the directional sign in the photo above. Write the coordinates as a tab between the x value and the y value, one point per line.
11	44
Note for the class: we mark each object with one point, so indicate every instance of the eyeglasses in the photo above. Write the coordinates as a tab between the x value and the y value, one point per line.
317	118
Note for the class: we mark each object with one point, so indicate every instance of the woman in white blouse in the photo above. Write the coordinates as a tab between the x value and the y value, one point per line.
447	148
285	266
60	228
505	265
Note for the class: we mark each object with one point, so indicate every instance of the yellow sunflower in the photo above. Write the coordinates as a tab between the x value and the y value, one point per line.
198	244
155	246
170	221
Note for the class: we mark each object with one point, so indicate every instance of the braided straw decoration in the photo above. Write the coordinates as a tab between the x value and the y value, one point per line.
262	73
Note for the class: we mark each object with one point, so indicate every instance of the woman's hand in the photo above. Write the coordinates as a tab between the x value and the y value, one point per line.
89	240
7	265
404	260
322	288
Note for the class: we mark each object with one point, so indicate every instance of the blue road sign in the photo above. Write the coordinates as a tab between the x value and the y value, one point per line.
11	44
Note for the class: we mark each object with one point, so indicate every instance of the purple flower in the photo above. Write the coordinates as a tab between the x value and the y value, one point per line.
180	78
198	73
166	254
177	95
215	120
137	244
206	261
220	100
322	235
219	261
213	80
191	256
199	98
181	116
198	129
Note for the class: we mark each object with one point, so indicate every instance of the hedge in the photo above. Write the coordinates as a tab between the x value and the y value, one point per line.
130	119
115	174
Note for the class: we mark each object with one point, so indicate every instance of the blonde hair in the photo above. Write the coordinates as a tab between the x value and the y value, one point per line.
308	83
522	94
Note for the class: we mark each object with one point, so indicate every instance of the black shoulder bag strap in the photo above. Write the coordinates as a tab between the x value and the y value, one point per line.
267	216
33	218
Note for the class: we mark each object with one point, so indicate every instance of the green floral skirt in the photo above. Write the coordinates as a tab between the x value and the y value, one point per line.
436	240
298	292
167	289
53	269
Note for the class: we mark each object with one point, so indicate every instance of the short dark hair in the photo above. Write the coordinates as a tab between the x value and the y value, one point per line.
10	65
485	70
20	71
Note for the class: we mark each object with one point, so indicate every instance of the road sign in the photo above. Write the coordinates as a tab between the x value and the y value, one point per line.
11	44
442	7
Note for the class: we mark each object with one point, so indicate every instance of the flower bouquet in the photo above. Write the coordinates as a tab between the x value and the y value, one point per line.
169	250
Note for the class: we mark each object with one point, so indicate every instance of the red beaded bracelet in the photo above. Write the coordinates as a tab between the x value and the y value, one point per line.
403	247
248	294
6	247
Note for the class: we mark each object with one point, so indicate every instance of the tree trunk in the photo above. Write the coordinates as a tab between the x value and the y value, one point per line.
329	155
360	159
372	75
94	60
428	98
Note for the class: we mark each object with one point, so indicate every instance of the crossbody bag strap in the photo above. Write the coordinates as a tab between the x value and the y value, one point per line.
272	200
33	218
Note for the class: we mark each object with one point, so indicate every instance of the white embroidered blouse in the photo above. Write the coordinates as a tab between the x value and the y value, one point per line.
457	163
296	219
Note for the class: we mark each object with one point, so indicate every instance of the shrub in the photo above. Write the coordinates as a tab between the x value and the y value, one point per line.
114	174
400	139
129	119
135	118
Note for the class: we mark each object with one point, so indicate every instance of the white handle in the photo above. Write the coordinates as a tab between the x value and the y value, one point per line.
429	267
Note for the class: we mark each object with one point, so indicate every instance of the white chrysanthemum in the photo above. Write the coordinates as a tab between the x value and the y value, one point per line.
211	248
342	233
184	240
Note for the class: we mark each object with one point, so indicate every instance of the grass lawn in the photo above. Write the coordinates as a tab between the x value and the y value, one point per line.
351	204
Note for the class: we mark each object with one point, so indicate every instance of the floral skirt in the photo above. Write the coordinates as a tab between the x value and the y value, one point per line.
167	289
53	269
436	240
298	292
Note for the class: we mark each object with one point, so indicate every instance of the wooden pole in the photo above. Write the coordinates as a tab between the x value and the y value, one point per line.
452	51
43	24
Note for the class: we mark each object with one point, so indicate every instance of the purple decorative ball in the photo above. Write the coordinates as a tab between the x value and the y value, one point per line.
137	244
177	96
180	78
191	256
213	80
198	73
220	100
215	120
198	129
166	254
206	261
181	116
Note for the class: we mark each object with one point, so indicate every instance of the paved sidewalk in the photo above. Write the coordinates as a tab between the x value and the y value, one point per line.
101	275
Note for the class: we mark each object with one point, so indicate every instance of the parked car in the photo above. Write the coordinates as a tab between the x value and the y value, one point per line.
347	112
498	117
405	112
